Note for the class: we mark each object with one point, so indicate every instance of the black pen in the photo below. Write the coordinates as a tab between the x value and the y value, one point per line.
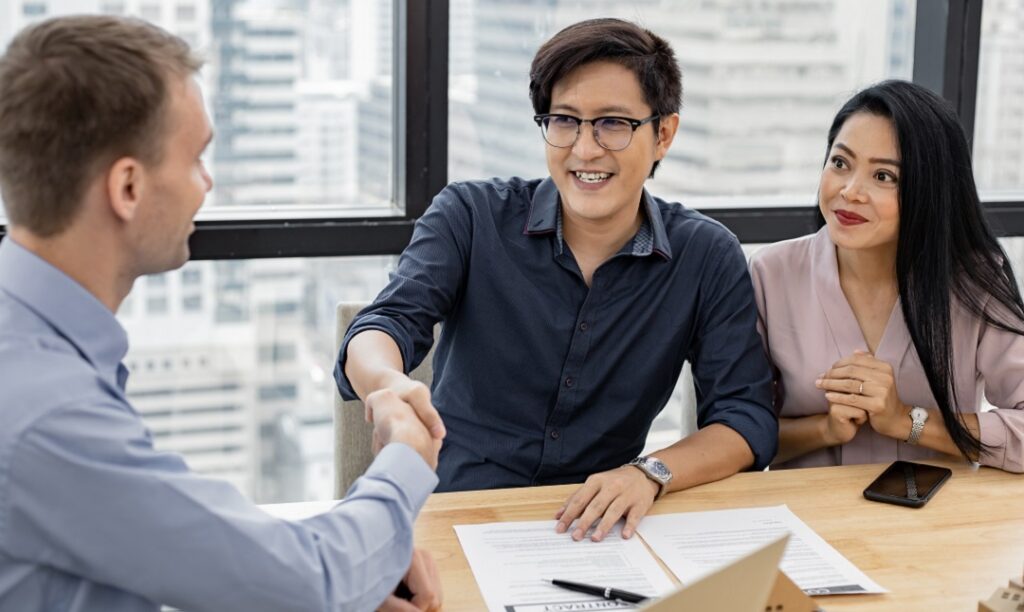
605	592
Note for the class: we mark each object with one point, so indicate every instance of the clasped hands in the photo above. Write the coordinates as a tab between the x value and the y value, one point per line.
861	389
402	412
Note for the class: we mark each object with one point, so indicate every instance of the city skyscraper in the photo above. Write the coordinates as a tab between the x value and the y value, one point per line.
256	51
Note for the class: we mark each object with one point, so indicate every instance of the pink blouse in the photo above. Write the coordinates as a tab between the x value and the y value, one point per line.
807	325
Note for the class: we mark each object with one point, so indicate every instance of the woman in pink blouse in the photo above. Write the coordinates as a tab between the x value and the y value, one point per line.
887	327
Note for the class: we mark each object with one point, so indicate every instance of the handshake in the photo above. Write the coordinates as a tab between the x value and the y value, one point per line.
402	412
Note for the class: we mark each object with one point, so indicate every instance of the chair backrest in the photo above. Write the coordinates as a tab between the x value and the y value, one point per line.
353	436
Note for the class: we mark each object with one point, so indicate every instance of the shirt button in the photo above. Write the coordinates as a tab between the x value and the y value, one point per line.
555	434
584	326
569	381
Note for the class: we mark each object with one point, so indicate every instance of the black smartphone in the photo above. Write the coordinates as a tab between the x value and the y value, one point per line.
907	484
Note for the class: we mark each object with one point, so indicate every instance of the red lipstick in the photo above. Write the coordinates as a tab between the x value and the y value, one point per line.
846	217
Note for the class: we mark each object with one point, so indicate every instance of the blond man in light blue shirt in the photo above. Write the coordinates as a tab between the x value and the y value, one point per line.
101	131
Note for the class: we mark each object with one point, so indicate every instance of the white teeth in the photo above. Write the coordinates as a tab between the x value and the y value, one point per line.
592	177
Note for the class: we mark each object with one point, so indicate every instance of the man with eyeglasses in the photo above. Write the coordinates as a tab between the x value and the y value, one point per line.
569	304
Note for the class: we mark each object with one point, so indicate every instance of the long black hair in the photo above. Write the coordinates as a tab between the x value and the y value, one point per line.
946	248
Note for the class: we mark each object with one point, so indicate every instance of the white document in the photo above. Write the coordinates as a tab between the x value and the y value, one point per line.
510	562
694	543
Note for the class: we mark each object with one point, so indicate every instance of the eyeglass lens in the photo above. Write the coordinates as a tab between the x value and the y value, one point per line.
612	134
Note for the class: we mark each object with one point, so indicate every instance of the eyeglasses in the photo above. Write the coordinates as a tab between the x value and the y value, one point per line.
612	133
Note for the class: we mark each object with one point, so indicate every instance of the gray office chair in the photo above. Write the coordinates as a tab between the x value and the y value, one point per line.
353	439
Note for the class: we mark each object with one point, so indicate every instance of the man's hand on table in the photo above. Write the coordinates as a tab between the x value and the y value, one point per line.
605	498
422	582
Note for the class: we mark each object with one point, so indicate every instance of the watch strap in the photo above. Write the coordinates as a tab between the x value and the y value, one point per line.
916	427
640	463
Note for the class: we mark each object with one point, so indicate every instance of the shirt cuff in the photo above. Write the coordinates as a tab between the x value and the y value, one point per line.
403	466
760	430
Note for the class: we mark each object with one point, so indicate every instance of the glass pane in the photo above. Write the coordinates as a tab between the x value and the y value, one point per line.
999	115
300	94
231	366
1014	247
761	83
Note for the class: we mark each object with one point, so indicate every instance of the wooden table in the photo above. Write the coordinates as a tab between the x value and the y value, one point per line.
965	543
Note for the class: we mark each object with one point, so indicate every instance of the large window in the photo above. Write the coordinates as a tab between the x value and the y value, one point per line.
301	96
999	127
231	360
231	365
761	82
338	120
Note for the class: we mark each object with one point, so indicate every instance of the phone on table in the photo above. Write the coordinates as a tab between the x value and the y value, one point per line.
907	484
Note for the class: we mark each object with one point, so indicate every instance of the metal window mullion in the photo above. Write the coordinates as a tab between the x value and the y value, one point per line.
947	38
423	77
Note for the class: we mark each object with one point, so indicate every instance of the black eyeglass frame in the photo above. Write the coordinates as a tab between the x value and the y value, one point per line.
635	124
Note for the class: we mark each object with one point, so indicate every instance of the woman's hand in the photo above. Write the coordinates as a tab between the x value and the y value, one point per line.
842	423
865	383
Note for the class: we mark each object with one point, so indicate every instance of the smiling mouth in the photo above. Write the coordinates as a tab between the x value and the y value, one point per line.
592	177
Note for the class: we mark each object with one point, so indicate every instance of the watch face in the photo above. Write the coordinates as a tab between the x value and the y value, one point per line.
918	413
657	469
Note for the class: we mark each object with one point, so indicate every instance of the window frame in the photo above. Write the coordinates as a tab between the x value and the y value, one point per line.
947	40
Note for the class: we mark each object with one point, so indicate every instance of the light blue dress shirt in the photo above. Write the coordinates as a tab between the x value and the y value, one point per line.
92	517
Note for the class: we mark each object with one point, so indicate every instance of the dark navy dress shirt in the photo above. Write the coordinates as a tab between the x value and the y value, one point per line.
541	379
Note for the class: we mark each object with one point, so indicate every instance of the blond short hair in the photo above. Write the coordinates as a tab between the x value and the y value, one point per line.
77	93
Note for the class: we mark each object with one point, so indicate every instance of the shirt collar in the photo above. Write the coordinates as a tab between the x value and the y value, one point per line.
69	308
545	217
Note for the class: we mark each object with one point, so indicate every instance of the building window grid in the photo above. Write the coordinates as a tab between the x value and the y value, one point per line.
33	9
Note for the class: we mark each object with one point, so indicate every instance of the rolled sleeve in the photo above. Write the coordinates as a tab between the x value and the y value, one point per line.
422	289
367	322
730	368
1000	362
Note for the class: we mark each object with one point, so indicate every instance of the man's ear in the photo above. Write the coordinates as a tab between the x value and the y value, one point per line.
125	187
667	127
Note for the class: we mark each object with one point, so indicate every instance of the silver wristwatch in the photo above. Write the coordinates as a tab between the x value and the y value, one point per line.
918	417
656	470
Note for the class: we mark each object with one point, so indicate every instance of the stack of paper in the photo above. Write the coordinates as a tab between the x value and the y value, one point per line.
694	543
511	561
